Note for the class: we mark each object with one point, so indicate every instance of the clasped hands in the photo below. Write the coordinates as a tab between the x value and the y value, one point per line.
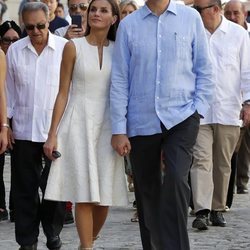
121	144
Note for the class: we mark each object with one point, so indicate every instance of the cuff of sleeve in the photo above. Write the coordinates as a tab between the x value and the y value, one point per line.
119	128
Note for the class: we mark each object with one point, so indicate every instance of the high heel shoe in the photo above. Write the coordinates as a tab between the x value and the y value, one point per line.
85	248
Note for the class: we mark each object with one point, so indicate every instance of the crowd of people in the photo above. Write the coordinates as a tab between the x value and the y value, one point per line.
160	91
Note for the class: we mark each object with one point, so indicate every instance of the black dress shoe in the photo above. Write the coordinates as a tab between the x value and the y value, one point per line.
217	219
201	222
54	243
31	247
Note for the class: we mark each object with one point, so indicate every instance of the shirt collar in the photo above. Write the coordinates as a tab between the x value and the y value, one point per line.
224	25
171	8
51	42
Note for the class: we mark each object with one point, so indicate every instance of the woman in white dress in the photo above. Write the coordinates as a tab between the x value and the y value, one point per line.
3	116
89	172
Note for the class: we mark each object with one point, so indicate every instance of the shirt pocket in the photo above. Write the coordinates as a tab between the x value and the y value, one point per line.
229	58
22	74
183	46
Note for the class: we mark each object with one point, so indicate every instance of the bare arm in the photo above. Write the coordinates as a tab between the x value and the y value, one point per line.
67	65
3	112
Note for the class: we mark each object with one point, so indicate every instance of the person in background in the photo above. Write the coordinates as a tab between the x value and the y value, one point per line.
220	129
32	85
76	7
81	127
235	11
55	22
9	33
158	48
60	10
127	7
3	9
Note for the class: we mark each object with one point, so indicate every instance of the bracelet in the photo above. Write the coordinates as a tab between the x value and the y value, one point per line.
5	125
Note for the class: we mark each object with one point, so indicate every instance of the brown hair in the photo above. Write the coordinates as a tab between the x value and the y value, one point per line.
113	28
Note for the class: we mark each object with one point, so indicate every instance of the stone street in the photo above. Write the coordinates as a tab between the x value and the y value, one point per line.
120	233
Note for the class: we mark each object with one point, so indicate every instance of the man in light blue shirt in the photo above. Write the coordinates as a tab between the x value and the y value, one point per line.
162	82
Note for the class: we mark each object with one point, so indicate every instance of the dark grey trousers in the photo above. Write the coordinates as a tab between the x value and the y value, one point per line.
162	196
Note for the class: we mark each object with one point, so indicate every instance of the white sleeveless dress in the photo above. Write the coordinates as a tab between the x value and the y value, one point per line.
89	170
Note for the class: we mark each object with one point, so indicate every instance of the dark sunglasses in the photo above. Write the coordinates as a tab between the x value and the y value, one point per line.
38	26
200	9
82	6
8	41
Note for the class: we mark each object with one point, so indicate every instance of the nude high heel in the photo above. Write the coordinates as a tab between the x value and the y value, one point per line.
85	248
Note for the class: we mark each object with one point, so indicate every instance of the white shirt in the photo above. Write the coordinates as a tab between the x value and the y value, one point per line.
230	51
32	85
61	31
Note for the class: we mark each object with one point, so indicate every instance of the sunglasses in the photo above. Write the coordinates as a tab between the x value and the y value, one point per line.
82	6
8	41
200	9
38	26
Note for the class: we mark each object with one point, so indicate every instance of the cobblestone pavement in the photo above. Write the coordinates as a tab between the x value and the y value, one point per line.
120	233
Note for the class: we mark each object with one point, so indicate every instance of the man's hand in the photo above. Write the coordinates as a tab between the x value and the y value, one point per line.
121	144
74	32
245	114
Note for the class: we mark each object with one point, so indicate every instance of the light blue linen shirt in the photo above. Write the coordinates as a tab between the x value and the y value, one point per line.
161	70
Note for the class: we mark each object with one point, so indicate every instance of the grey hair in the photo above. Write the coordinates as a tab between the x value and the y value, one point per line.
35	6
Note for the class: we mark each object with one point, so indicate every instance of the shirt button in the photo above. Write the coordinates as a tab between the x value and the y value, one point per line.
157	97
159	36
159	51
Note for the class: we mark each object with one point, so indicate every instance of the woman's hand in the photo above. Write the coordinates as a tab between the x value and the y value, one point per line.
3	140
49	146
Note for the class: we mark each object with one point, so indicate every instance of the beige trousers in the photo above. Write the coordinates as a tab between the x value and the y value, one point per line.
210	172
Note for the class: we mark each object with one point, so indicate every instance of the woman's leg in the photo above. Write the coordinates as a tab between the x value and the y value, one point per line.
99	216
89	221
84	223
